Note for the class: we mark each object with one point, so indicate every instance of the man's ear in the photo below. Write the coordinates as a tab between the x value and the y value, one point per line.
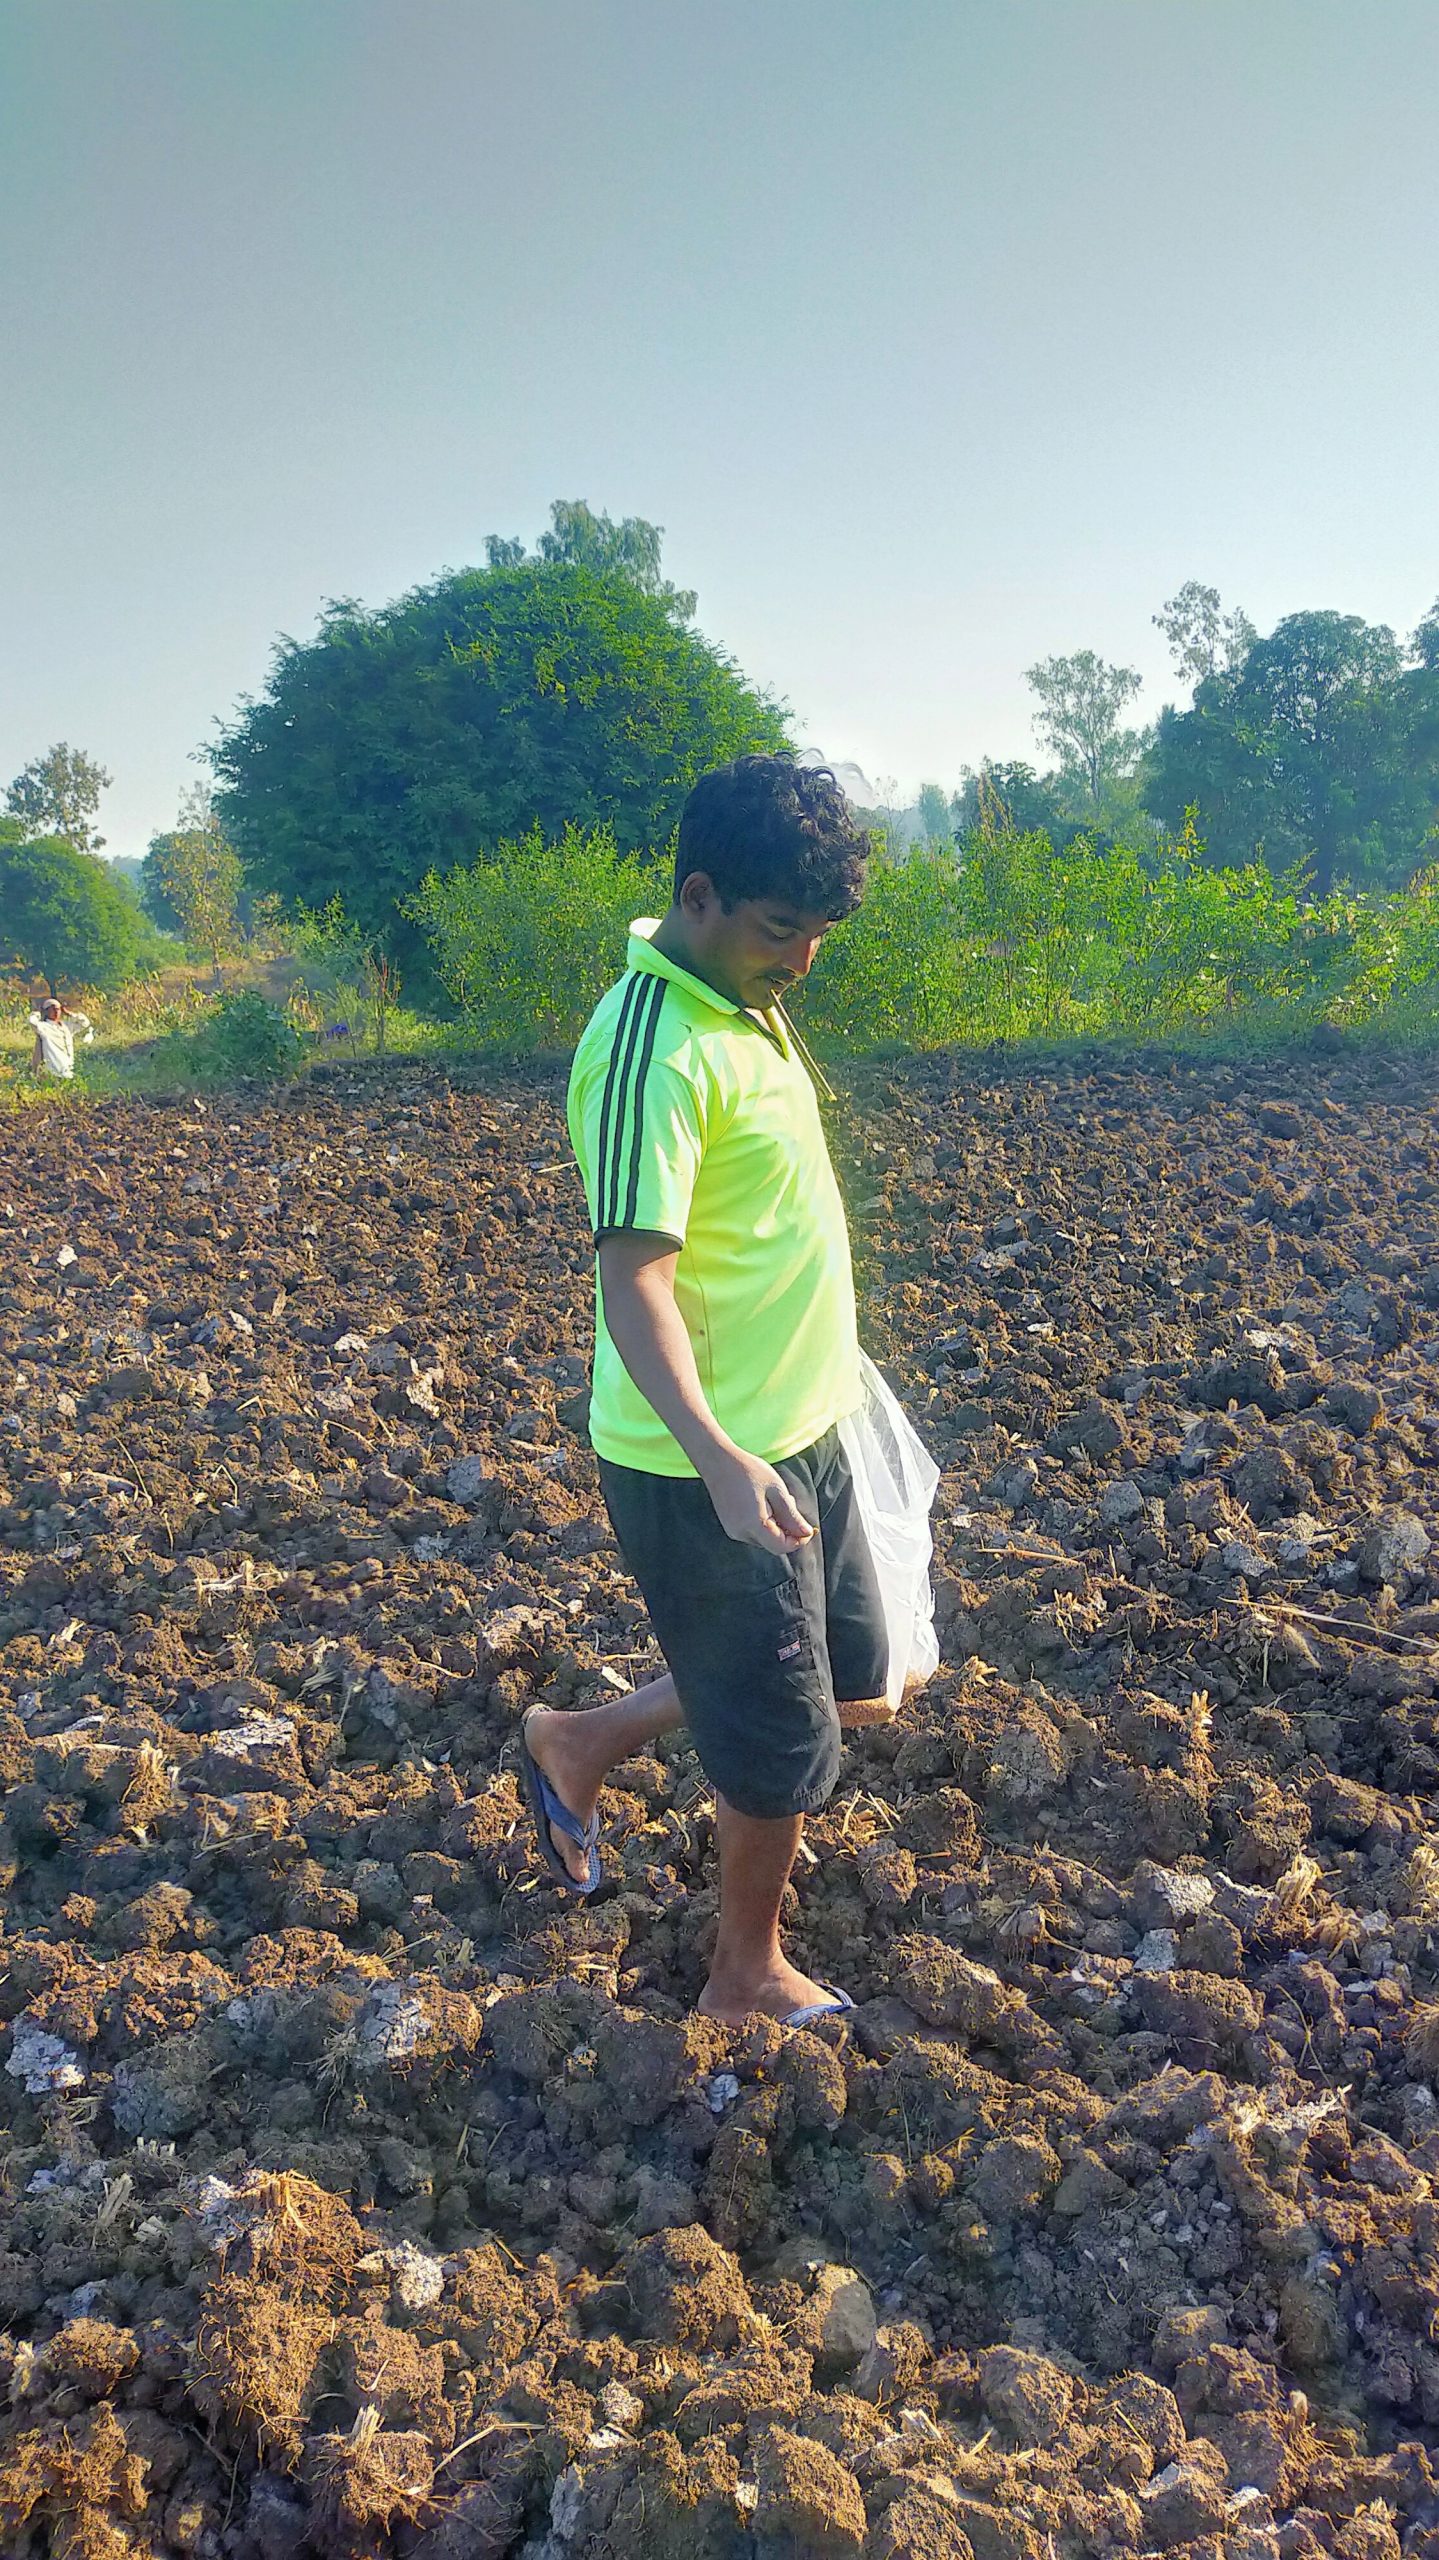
697	894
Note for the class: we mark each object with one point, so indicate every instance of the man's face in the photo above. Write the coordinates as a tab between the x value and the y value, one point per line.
757	950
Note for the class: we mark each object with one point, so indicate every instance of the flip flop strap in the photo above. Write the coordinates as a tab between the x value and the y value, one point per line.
585	1835
834	2007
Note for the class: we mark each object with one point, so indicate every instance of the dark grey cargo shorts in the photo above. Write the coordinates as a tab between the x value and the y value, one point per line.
760	1646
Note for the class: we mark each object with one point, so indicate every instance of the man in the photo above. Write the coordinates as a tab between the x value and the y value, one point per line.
55	1027
725	1355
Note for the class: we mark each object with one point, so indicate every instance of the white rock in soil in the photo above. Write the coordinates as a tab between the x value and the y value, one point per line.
1300	1535
1165	1897
567	2500
42	2061
416	2278
1239	1557
261	1733
1394	1546
466	1479
391	2028
1156	1952
622	2407
223	2215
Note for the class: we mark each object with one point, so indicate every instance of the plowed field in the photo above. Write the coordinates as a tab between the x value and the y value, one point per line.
362	2197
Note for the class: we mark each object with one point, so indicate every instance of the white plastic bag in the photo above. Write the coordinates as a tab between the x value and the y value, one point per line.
894	1482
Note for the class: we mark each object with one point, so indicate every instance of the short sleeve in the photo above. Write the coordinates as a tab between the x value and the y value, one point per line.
647	1139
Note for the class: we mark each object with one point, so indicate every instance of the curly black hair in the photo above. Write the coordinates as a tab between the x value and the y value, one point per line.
766	827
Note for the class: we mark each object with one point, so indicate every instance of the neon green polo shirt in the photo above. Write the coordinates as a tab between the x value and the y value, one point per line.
695	1120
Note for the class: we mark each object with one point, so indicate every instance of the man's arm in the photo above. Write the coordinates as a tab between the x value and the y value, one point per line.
751	1499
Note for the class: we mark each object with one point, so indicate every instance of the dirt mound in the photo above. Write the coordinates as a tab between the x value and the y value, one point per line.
362	2197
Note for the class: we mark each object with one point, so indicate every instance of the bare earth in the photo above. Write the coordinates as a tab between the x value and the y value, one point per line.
362	2197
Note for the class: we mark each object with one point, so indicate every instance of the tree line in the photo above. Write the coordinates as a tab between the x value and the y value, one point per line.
1313	747
556	685
565	686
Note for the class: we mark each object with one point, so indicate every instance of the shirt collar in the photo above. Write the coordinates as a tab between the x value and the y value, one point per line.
658	964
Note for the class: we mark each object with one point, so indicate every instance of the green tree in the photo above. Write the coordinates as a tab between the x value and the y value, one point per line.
193	877
406	740
579	539
1322	749
1080	701
1017	796
57	794
154	896
64	914
1203	641
934	812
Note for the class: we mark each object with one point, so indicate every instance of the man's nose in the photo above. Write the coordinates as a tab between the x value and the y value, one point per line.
802	955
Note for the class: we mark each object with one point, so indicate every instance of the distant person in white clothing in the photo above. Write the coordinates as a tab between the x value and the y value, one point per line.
56	1031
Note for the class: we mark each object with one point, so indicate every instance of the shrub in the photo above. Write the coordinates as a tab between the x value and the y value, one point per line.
527	942
897	972
1005	938
243	1035
347	966
1013	938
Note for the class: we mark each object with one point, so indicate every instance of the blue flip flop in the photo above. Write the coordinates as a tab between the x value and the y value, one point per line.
834	2007
546	1808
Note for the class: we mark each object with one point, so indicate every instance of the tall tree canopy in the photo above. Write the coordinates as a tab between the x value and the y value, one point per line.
1016	796
1321	746
579	539
1202	640
57	794
408	739
65	915
1078	719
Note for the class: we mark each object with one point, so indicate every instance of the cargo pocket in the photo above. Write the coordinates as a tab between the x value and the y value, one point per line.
759	1701
785	1619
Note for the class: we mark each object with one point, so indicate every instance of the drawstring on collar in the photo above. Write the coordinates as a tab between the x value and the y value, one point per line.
812	1063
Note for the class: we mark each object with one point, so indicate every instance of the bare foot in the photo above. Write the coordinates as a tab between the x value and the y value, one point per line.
774	1994
559	1749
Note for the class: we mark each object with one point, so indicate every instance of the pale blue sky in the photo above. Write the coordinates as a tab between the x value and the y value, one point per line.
940	334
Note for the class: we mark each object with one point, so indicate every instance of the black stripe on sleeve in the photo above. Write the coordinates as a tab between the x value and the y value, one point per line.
626	1007
609	1212
641	1071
